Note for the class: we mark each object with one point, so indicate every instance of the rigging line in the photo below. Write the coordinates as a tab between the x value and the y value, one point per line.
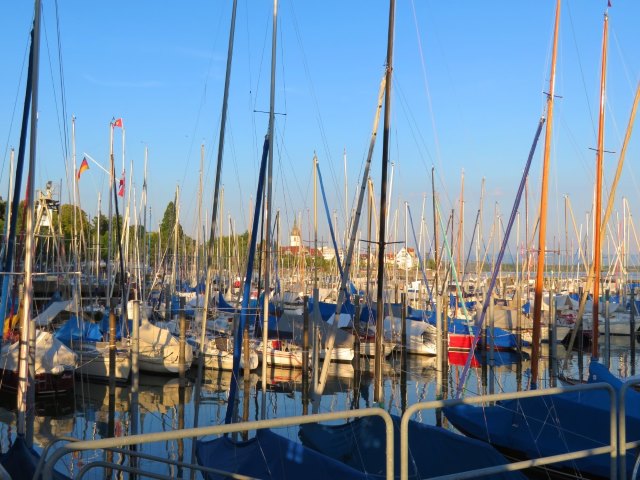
494	274
402	99
63	93
501	224
265	39
426	86
287	191
200	107
473	235
323	135
63	134
584	84
587	166
625	67
420	262
234	158
415	132
13	111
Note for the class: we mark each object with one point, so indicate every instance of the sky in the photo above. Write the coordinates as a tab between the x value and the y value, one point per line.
467	93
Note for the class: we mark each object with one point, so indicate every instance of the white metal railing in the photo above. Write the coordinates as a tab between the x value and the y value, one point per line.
611	449
616	448
623	445
46	466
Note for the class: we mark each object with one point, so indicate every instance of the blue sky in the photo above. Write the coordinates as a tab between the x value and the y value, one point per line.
467	95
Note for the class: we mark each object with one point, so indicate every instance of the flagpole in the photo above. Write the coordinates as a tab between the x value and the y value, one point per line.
109	243
75	184
86	155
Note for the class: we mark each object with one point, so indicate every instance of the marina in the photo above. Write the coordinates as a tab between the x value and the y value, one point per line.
261	327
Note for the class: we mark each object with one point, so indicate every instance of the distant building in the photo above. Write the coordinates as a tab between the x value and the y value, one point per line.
295	239
406	258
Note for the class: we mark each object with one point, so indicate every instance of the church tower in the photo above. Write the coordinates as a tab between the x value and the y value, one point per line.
295	239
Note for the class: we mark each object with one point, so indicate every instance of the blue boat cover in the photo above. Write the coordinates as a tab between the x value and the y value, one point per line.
224	306
433	451
76	330
328	309
501	338
553	425
21	461
104	326
270	456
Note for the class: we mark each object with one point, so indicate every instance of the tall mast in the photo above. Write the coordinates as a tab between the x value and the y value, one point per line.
74	245
199	217
145	262
110	214
383	207
26	387
346	201
542	232
461	232
216	190
598	195
176	231
98	238
315	221
268	208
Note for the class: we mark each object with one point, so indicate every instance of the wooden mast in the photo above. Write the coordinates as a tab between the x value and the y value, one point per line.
537	305
598	194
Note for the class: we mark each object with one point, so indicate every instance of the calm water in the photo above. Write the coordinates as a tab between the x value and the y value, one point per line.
164	407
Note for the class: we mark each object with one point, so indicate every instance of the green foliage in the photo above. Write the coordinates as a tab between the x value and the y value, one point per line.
167	227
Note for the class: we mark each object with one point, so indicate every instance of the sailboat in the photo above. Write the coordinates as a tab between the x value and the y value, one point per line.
21	460
543	426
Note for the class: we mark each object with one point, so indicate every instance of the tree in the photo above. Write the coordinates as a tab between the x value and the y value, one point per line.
167	226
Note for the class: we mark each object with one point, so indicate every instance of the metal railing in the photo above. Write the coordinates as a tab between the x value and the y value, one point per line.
623	445
46	466
611	449
616	448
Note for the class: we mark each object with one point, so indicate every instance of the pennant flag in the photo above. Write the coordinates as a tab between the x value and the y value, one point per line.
121	189
117	122
83	166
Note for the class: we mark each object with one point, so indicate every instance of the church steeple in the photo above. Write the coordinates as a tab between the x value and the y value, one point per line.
295	238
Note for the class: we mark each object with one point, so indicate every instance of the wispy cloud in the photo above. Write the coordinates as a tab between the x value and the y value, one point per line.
123	83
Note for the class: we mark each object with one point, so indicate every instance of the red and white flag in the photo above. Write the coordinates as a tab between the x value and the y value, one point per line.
121	186
117	122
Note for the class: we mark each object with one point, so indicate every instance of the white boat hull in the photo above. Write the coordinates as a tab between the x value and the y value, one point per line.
93	361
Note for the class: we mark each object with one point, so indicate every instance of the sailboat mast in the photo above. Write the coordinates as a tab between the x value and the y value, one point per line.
383	207
110	214
268	209
216	190
542	232
598	195
26	386
145	262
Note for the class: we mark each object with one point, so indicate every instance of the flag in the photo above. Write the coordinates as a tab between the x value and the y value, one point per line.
609	3
121	186
83	166
117	122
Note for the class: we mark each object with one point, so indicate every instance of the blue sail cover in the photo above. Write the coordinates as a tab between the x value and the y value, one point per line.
553	425
76	330
270	456
328	309
224	306
20	461
433	451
